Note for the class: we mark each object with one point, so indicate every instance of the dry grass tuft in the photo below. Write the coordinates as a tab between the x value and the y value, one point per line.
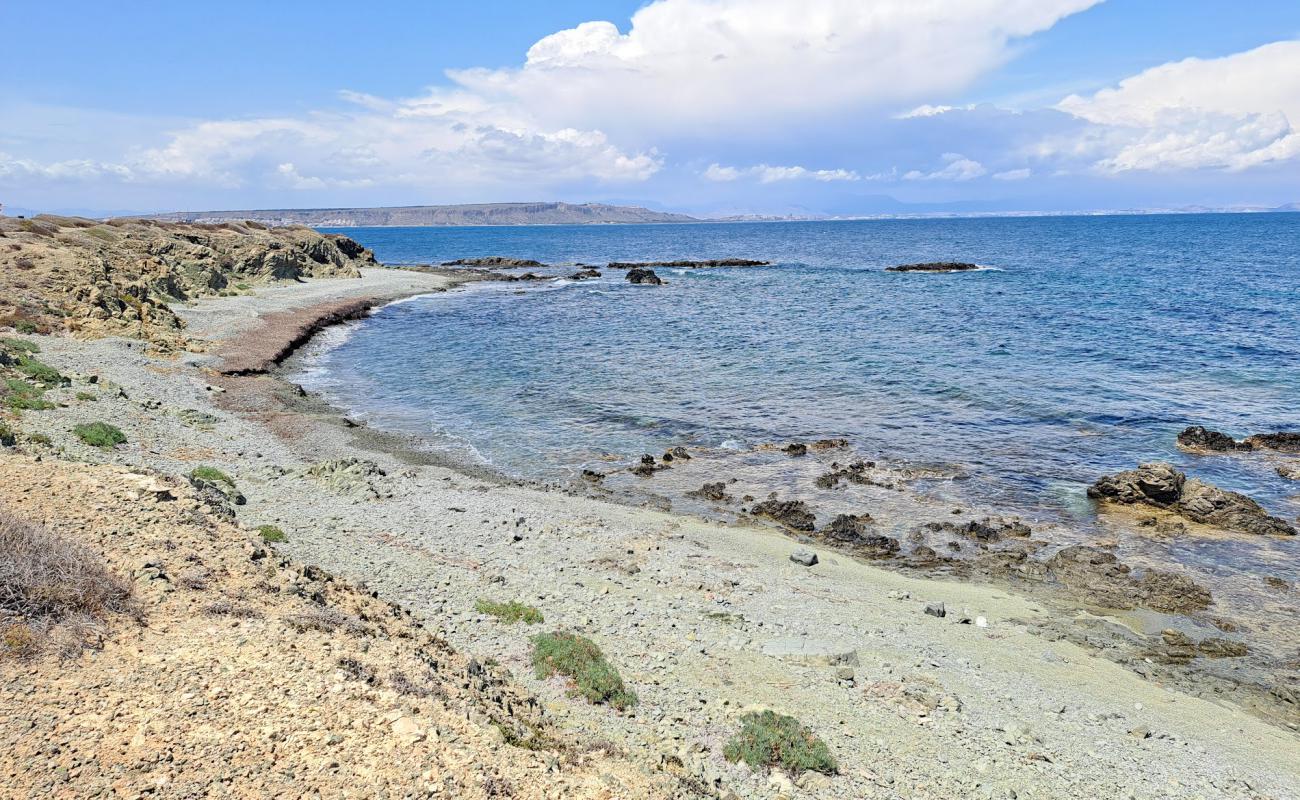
53	592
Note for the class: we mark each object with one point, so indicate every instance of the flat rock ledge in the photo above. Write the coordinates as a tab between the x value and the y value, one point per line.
1159	485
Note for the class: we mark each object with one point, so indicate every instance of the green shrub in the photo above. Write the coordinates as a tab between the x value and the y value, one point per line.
87	396
39	372
40	438
25	326
21	345
7	438
510	612
23	396
580	660
212	475
768	739
271	534
99	434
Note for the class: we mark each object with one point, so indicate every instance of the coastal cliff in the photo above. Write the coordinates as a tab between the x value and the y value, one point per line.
96	279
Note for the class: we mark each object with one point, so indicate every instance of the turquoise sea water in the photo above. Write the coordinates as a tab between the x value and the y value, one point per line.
1086	345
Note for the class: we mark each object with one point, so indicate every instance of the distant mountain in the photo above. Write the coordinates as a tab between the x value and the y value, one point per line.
420	216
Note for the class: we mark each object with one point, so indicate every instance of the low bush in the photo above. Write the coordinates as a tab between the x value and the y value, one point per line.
23	396
580	660
40	372
26	326
99	434
20	345
271	534
87	396
767	739
212	475
52	589
511	612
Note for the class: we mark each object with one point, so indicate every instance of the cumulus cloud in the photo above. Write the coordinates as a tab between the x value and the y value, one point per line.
957	167
1232	113
687	63
69	170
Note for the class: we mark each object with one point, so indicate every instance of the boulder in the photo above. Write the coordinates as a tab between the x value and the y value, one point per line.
795	449
792	514
584	274
1156	484
644	276
1210	505
1202	440
1289	471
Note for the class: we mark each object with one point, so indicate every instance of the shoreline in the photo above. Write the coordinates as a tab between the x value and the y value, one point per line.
704	619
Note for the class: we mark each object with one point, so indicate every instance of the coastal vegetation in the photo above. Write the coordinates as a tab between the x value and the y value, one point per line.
271	534
768	739
510	612
100	434
580	660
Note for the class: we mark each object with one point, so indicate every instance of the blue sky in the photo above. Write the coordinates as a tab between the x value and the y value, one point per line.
709	106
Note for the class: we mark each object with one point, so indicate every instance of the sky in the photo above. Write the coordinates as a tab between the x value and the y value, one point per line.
712	107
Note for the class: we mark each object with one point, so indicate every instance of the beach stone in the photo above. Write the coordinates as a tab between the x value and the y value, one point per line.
805	558
812	651
936	610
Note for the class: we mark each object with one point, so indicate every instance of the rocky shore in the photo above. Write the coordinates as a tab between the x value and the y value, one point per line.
918	685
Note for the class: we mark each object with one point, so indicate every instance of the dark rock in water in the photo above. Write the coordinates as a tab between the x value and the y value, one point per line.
527	276
1155	484
584	274
850	530
934	266
717	262
647	467
715	492
1099	576
1202	440
1162	486
988	530
795	449
678	453
1211	505
793	514
1289	471
853	473
828	444
592	475
493	261
644	276
1284	441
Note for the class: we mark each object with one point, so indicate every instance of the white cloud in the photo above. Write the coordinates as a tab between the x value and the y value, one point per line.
1013	174
684	64
766	173
957	167
69	170
1233	113
927	110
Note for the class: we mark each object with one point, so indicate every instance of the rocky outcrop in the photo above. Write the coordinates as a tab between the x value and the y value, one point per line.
117	278
1161	486
1202	440
987	530
711	263
1098	576
644	276
1282	441
793	514
852	531
585	274
493	262
715	492
934	266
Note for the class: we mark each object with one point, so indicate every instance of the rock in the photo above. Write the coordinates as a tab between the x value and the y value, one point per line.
988	530
493	261
793	514
1215	647
644	276
1289	471
934	266
812	651
592	476
647	467
1202	440
795	449
923	556
680	453
1283	441
1156	484
804	557
1171	593
1162	486
828	444
717	262
1211	505
584	274
714	492
936	610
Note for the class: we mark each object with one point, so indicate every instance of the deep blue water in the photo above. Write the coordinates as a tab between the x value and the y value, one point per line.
1088	344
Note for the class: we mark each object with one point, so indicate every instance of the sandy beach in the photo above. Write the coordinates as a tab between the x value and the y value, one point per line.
705	621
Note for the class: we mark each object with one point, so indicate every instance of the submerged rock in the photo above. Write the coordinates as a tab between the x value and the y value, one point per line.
988	530
715	492
1289	471
792	514
1202	440
934	266
716	262
1100	577
644	276
1162	486
795	449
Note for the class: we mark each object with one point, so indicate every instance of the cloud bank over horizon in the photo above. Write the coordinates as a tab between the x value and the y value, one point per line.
755	105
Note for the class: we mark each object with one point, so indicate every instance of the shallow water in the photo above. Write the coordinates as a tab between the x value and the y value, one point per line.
1083	349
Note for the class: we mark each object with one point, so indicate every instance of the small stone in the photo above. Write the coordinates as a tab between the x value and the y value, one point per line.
936	610
804	557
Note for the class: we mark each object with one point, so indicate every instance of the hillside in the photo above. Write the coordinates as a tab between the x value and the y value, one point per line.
117	278
428	216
